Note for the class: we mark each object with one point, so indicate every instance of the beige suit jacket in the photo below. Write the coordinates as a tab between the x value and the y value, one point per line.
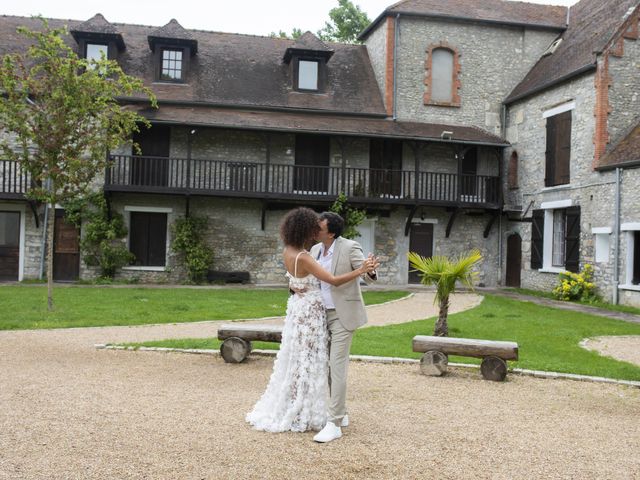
347	256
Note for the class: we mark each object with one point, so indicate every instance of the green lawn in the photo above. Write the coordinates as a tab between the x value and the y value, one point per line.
25	307
548	338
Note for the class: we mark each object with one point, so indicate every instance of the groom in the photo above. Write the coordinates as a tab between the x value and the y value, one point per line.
345	313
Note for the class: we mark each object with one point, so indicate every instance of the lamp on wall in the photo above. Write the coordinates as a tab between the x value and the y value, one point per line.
446	135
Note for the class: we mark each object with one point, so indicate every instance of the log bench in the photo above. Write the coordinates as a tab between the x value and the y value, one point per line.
237	339
436	350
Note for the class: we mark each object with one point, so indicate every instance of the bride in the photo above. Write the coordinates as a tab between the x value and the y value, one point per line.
296	396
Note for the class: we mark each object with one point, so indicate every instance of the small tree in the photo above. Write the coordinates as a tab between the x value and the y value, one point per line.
444	273
62	113
188	242
101	243
352	216
347	22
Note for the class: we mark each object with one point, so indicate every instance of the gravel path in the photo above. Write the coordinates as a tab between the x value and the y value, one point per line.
70	411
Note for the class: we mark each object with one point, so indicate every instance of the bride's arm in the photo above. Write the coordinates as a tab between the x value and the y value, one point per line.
314	268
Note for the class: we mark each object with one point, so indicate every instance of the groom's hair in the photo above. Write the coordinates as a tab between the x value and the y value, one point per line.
335	223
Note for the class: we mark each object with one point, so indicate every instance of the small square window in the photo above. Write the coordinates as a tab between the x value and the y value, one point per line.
171	65
95	51
307	75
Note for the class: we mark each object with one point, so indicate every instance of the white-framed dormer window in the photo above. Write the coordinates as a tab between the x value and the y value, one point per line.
95	52
632	238
308	74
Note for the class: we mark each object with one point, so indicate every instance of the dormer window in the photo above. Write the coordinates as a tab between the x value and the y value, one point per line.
308	75
308	57
97	37
96	52
171	65
173	47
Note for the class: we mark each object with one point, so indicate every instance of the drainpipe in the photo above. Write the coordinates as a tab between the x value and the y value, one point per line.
616	239
396	37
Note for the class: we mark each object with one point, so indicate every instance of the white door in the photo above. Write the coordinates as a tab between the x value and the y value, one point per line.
367	236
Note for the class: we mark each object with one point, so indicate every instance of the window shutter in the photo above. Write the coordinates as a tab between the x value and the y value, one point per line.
550	153
537	237
563	148
572	244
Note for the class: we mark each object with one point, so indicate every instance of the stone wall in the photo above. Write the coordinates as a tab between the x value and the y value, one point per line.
377	49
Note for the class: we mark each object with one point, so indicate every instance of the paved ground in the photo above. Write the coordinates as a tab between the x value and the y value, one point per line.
70	411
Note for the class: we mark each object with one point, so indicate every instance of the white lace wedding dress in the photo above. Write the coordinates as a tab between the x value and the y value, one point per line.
297	393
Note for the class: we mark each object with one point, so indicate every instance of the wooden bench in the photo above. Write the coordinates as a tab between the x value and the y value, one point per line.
237	339
494	354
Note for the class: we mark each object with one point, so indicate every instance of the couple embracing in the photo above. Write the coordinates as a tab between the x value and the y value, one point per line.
307	389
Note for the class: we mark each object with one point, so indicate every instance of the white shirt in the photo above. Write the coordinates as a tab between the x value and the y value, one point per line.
325	262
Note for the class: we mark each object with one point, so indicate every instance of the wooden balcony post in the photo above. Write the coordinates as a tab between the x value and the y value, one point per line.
267	141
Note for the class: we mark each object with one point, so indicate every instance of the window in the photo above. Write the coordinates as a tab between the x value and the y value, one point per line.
148	238
558	150
602	242
632	234
95	51
171	69
442	76
635	272
555	237
513	171
307	75
559	237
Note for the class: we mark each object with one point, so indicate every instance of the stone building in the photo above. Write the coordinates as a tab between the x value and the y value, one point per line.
435	125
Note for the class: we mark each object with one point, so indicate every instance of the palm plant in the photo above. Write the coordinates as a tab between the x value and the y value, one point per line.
444	272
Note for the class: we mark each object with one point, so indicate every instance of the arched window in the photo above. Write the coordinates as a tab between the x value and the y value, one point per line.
442	73
513	170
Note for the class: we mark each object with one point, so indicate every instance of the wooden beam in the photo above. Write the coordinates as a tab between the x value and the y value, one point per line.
490	223
407	226
450	223
34	209
262	333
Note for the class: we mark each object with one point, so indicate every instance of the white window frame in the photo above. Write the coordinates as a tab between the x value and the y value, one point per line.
602	244
547	248
317	83
22	211
630	230
134	208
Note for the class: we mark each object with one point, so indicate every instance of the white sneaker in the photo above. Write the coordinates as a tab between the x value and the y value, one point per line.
345	421
328	433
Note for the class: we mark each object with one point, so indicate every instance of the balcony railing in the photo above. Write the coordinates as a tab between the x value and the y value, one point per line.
14	180
261	180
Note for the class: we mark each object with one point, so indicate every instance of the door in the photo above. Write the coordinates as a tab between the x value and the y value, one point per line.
66	250
514	260
9	245
420	242
311	172
468	175
152	169
385	162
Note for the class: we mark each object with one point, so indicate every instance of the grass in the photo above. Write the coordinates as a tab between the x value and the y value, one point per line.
25	307
548	338
603	305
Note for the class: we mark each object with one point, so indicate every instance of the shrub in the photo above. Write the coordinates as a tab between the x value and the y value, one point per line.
189	244
576	286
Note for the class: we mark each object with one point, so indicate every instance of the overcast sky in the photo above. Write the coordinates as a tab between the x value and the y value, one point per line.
259	17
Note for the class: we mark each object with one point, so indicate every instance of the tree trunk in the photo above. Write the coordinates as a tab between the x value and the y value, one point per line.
442	329
50	227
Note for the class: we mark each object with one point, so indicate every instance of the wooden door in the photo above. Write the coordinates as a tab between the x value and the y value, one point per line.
420	242
9	245
152	169
514	260
468	174
66	249
385	162
312	164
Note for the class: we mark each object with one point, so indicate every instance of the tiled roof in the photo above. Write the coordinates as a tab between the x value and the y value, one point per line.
592	23
625	154
491	11
314	123
96	24
235	69
308	42
175	33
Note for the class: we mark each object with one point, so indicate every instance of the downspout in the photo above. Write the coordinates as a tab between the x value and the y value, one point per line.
503	130
616	239
396	37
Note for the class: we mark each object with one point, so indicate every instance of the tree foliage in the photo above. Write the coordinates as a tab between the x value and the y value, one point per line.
347	22
352	216
60	117
295	34
444	272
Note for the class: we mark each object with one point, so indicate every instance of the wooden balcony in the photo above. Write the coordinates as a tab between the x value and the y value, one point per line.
14	180
291	182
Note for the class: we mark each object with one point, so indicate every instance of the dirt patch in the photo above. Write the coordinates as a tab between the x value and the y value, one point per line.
624	347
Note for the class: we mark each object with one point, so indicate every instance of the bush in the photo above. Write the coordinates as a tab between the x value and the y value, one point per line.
576	286
189	244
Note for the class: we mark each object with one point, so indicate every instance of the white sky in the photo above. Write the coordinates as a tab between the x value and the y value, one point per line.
259	17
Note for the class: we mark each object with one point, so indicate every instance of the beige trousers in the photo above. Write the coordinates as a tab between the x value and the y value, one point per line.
339	347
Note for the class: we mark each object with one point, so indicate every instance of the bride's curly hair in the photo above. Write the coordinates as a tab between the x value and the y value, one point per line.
299	228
